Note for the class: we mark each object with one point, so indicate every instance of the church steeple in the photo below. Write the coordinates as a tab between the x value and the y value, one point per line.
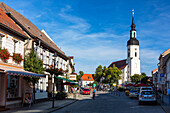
133	40
133	23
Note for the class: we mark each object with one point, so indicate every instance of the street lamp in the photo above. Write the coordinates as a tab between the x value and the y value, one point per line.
53	79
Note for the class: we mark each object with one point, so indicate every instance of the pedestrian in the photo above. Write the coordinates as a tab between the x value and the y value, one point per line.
94	91
169	94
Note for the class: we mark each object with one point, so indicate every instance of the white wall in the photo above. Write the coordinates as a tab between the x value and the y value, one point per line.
84	83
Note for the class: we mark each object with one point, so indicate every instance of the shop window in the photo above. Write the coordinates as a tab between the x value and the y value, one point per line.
13	86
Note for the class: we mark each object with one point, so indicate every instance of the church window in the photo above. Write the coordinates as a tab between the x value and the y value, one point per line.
134	34
135	54
128	54
135	48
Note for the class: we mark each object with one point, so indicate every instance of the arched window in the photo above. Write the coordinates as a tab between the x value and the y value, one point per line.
134	35
135	54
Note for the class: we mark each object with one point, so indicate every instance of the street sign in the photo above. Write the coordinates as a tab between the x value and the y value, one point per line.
162	75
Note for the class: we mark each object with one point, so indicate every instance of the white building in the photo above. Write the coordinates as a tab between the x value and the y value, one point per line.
87	79
131	65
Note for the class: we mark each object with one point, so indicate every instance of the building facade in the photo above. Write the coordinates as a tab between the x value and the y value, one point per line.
13	82
44	46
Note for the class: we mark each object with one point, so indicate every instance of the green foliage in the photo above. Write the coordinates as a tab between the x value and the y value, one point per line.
110	75
137	78
81	73
33	64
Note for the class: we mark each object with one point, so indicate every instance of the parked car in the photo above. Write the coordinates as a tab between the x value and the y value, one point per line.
133	93
147	96
146	89
86	91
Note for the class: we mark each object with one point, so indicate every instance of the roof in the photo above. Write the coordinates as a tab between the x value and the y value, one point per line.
5	20
132	41
121	64
155	70
87	77
30	28
165	59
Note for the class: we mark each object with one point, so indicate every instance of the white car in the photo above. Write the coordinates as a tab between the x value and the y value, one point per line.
146	89
147	96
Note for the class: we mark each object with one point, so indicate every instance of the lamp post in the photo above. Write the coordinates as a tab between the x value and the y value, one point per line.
53	79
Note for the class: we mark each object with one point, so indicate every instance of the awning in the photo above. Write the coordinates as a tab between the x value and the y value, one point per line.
19	72
70	81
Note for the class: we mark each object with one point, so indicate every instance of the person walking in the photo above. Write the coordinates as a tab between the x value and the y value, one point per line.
94	91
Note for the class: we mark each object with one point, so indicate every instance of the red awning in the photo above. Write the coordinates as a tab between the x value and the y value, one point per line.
128	85
19	72
141	85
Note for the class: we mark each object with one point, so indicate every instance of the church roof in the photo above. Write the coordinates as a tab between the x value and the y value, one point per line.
121	64
132	41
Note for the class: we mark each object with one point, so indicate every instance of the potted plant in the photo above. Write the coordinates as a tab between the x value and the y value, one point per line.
17	57
4	54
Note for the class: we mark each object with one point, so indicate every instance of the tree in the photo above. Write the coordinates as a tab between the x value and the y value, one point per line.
81	73
34	64
99	73
108	75
139	78
135	78
113	75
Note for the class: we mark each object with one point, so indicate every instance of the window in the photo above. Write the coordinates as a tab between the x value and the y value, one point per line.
134	34
0	41
128	54
15	44
13	86
135	54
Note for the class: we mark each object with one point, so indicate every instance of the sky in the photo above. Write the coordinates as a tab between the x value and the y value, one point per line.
96	32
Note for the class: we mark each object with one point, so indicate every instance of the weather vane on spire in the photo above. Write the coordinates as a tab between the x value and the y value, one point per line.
133	11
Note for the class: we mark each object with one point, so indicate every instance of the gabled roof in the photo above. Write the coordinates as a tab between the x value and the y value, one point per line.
8	23
29	27
87	77
155	70
121	64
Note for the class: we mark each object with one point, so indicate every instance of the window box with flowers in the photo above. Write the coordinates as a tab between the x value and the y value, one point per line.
4	55
17	58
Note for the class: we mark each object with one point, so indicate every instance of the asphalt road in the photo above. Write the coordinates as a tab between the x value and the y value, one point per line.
107	103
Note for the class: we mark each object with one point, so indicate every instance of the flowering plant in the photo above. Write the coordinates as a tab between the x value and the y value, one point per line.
4	54
17	57
55	71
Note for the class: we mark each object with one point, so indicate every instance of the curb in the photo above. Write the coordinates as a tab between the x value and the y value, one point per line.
161	106
60	107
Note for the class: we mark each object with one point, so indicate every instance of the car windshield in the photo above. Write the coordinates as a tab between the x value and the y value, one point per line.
86	90
147	93
146	88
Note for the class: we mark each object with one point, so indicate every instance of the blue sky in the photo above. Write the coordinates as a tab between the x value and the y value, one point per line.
96	32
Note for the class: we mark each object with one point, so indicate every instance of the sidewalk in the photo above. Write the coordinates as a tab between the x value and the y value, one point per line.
44	107
165	103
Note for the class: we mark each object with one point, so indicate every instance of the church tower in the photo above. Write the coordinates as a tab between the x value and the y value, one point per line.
133	60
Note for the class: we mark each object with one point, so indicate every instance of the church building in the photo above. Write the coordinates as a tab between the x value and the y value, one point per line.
131	65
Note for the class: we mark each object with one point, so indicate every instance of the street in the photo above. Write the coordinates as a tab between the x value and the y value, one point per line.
107	103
